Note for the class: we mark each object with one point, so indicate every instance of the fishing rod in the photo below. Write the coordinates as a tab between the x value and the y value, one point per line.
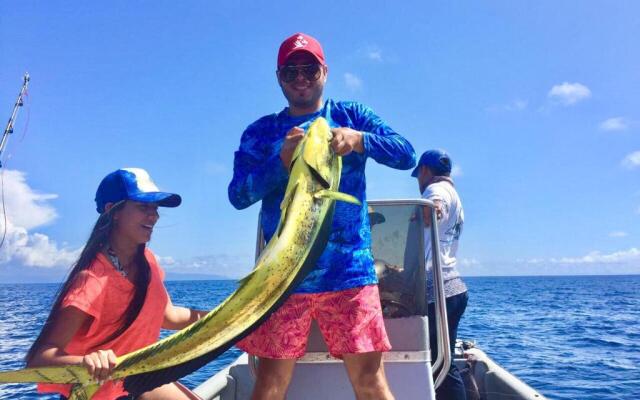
19	102
3	142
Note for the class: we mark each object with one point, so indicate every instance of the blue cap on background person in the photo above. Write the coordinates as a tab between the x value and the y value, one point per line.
132	184
437	160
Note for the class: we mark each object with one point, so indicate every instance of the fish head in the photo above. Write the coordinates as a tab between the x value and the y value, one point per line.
317	152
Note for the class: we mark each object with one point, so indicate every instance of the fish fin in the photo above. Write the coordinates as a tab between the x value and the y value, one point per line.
80	392
338	196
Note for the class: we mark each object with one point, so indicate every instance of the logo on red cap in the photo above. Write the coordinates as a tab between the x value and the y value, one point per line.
300	42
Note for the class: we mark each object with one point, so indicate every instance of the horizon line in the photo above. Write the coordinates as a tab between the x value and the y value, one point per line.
235	279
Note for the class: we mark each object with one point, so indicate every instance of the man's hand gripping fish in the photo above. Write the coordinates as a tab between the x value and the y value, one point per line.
301	236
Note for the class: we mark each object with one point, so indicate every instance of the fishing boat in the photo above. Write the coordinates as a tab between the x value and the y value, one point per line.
397	239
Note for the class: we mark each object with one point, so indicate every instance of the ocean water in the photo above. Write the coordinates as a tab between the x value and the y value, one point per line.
568	337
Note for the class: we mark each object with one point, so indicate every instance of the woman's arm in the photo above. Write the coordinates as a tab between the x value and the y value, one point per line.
51	351
176	318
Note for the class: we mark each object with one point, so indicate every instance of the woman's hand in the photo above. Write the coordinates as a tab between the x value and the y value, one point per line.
100	364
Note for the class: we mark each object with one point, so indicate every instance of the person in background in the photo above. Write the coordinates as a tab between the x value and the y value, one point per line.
114	300
434	180
341	292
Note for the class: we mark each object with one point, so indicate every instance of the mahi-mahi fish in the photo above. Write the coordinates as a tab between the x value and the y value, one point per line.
300	238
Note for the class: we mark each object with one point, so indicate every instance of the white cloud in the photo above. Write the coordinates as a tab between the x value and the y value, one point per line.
40	251
375	54
230	266
632	160
515	105
352	81
614	124
371	52
532	261
596	257
215	168
24	206
630	257
617	234
569	93
456	171
467	262
165	260
27	209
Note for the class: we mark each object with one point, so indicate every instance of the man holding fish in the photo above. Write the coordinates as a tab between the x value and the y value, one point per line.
341	292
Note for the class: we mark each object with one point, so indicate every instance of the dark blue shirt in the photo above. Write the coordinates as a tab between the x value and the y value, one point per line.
258	174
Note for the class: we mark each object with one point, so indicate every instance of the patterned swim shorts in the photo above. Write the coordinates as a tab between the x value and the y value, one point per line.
350	321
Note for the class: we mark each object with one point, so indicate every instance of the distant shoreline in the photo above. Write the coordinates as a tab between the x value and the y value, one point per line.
206	278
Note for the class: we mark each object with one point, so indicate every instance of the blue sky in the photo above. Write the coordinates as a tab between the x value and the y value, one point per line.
537	103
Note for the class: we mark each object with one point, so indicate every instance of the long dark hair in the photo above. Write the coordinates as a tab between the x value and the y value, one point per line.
98	239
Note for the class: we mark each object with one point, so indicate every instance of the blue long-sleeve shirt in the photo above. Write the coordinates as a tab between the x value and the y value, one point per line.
258	174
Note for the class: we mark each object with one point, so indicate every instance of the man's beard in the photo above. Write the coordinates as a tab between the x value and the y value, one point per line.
301	102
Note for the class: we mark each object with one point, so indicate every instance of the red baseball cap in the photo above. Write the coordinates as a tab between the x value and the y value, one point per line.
300	42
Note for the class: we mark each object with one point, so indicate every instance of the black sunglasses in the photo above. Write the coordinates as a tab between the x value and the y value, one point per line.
310	72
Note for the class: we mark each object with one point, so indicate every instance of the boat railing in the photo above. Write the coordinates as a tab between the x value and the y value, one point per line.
415	208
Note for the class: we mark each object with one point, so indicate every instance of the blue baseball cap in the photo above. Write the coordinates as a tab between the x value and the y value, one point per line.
132	184
438	160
